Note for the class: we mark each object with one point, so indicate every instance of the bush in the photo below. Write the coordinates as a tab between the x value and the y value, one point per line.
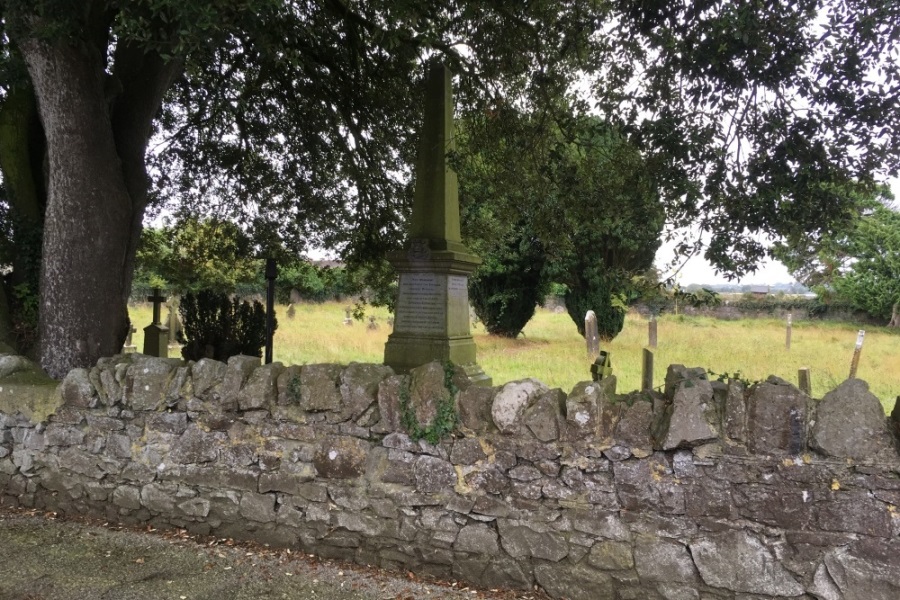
507	288
215	326
596	296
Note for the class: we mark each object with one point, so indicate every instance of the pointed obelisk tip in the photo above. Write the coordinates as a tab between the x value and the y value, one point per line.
435	215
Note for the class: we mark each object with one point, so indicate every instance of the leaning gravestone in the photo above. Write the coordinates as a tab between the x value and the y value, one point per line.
432	310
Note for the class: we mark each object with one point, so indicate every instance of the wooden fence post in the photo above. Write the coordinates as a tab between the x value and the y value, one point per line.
856	352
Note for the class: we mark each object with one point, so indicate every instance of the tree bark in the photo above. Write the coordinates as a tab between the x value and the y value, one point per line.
87	226
895	315
97	190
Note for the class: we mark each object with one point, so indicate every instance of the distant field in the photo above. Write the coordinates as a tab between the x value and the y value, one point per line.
552	351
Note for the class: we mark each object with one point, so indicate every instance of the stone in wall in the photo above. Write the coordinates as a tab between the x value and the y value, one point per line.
739	561
341	457
76	389
359	392
388	395
690	418
849	422
261	387
288	386
147	379
207	374
319	388
238	372
591	412
776	418
510	403
544	415
663	560
860	571
633	429
735	412
427	391
108	386
473	405
13	363
579	582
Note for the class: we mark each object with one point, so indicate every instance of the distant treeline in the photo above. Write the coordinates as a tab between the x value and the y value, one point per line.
300	281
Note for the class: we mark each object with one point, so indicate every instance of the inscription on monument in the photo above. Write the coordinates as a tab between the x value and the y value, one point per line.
458	287
422	304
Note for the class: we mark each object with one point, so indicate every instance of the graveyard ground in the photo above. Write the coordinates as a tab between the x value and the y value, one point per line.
551	350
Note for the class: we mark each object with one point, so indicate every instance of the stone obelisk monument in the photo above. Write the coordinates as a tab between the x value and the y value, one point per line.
432	313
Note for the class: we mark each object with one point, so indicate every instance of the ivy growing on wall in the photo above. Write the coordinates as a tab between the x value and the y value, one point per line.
444	422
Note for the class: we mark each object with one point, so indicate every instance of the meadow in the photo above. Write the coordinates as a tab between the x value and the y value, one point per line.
551	350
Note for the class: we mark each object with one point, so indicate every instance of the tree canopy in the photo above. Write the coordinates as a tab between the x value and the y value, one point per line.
579	209
858	263
297	120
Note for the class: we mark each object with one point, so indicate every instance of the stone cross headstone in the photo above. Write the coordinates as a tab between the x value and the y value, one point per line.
591	334
157	299
431	320
156	335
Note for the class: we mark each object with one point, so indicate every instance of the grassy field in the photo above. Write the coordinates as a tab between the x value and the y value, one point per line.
552	351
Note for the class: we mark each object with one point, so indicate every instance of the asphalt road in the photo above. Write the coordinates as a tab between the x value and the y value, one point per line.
44	558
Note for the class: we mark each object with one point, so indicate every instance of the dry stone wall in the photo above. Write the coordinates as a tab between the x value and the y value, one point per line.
706	491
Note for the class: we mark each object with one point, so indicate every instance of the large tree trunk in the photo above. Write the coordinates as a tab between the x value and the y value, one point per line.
97	192
895	315
89	215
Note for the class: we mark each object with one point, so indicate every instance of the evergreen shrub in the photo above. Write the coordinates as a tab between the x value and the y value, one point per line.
507	288
216	326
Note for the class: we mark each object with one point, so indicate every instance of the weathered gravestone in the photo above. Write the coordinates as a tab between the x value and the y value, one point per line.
432	311
173	321
652	331
129	346
591	334
156	335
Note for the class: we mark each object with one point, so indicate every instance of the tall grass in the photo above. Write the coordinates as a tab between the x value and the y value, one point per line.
551	350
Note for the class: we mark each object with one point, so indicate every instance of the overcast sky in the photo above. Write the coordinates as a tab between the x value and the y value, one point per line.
697	270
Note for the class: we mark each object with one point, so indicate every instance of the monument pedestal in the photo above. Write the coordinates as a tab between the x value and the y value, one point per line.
156	340
432	312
